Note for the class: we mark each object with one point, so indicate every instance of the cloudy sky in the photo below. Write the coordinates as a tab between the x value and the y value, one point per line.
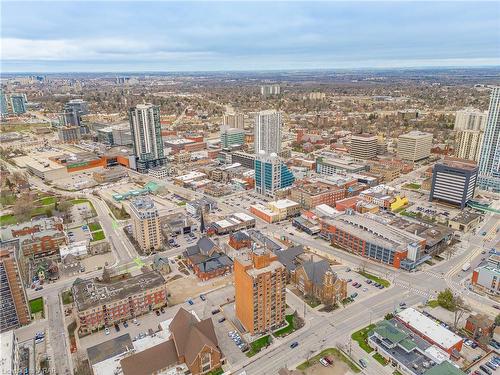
64	36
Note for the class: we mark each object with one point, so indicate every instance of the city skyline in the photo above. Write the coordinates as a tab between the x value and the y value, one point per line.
210	36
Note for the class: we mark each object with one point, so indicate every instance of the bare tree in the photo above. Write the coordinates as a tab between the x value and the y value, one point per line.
22	208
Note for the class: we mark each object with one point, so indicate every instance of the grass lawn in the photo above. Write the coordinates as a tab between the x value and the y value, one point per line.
67	297
409	214
21	127
433	303
412	186
312	302
94	227
374	278
330	352
380	359
8	219
47	201
36	305
288	329
361	337
81	201
181	203
257	345
217	371
97	236
396	373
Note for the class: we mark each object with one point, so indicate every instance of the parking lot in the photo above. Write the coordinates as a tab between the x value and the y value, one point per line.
357	285
488	365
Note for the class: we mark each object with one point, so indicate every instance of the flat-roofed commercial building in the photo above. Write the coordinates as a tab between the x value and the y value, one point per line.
146	224
311	193
454	181
260	291
487	277
14	309
276	211
69	134
101	304
414	146
430	330
233	223
363	146
331	166
368	236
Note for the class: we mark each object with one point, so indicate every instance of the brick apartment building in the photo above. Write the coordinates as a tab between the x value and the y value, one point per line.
260	291
101	304
313	193
38	238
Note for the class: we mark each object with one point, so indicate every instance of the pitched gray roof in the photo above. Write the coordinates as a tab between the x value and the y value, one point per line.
287	257
316	270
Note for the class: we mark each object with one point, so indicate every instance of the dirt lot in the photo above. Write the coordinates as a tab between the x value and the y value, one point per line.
182	289
338	368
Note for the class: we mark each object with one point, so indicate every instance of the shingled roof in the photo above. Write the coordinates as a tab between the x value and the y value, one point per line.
191	335
316	270
151	360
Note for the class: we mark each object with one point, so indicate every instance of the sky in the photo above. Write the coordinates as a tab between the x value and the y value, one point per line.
115	36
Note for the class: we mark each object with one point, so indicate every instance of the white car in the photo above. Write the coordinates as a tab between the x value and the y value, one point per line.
107	331
324	362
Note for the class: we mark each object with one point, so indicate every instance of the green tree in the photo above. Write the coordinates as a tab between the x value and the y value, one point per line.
497	320
389	316
446	299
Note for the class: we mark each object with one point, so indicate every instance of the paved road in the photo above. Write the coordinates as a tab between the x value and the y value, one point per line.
57	336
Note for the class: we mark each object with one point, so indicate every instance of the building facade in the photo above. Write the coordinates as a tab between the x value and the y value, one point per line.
470	119
489	163
232	137
103	303
454	181
73	112
316	279
362	235
69	134
268	132
146	227
14	310
487	277
146	135
234	120
363	146
260	291
271	175
18	103
270	90
414	146
468	144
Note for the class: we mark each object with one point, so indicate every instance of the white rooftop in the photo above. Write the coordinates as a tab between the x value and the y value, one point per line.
284	203
243	216
429	328
6	350
224	223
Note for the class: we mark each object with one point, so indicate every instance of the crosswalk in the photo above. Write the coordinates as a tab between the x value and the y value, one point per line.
424	293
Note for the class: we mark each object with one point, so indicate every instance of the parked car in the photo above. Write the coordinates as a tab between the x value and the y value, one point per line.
294	344
107	331
117	327
202	297
222	320
324	362
125	324
216	311
157	312
354	295
363	363
368	281
190	301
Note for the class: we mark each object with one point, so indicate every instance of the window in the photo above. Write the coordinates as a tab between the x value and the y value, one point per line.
206	362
